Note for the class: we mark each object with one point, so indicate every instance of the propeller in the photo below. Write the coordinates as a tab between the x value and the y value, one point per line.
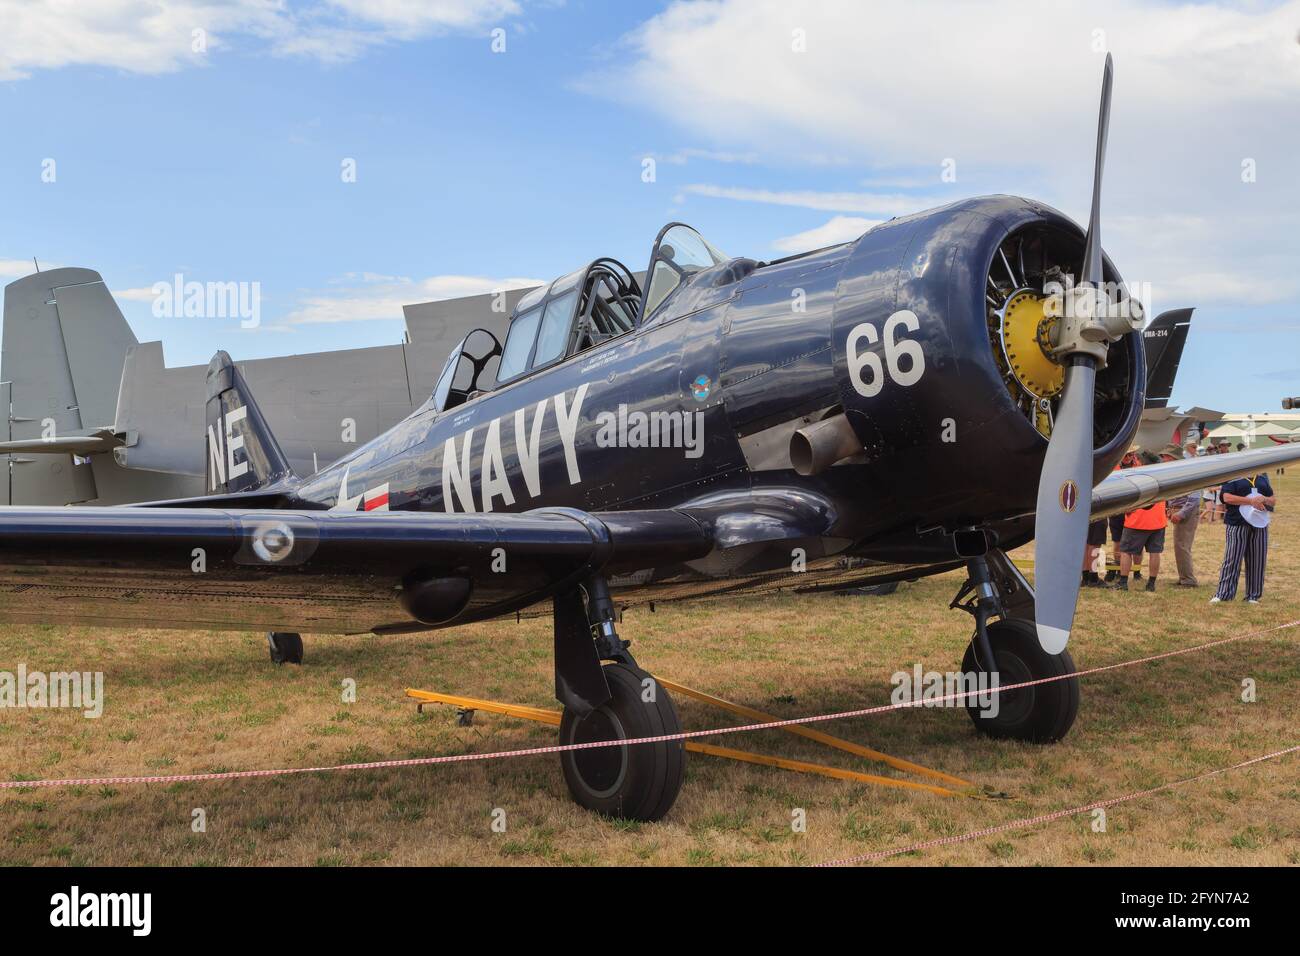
1065	485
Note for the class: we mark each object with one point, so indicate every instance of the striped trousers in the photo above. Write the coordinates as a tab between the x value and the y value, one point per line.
1244	543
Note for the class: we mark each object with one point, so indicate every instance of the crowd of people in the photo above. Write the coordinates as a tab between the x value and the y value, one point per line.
1244	506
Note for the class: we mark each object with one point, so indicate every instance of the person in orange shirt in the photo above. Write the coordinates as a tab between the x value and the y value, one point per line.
1144	529
1116	522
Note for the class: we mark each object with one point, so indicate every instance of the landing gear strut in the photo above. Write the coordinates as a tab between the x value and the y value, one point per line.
1007	650
613	701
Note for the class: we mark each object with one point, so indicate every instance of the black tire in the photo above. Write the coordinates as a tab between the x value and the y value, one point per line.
286	647
874	590
631	783
1041	714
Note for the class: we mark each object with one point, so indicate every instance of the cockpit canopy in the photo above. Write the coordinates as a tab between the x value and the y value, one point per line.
573	313
679	252
577	311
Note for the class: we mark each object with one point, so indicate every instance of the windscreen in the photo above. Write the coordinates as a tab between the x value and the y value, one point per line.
519	343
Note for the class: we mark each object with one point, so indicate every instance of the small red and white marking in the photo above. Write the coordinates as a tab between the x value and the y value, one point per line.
375	499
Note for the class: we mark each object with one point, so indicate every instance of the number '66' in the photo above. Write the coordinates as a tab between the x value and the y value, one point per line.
895	349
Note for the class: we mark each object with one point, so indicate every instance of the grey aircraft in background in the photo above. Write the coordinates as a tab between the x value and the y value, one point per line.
95	416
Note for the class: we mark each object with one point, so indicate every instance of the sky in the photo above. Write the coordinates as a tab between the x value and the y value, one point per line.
352	156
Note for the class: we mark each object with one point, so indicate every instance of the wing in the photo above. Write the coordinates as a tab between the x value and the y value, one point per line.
315	571
1134	488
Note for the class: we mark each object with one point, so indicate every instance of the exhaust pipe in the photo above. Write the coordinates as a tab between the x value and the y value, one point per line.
816	447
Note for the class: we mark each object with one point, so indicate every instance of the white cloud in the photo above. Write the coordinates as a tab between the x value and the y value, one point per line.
902	180
1223	288
158	36
328	44
15	268
262	328
1001	81
384	299
836	230
415	17
141	37
1009	92
135	295
683	156
354	277
887	204
1195	260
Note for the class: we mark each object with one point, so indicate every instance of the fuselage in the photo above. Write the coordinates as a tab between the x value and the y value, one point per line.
694	408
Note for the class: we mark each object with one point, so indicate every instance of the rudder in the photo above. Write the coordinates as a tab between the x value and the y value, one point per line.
1163	340
242	454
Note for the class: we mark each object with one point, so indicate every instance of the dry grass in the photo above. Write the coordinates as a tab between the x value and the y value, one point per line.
180	702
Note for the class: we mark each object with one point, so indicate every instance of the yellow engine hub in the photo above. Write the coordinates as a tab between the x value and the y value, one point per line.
1024	328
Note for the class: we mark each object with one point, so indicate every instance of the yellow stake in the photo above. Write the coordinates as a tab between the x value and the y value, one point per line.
553	717
817	735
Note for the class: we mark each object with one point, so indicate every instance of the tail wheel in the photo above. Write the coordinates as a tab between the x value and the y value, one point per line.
640	782
286	647
1041	714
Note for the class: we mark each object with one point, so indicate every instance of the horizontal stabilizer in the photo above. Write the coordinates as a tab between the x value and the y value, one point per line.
99	443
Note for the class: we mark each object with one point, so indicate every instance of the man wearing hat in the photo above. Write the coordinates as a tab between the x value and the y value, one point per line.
1185	515
1249	503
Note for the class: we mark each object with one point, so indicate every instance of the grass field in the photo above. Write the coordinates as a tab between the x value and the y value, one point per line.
183	702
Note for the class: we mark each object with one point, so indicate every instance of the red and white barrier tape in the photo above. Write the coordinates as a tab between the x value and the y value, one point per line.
1048	817
664	738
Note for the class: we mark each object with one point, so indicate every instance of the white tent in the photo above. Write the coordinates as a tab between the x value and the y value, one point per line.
1226	431
1273	428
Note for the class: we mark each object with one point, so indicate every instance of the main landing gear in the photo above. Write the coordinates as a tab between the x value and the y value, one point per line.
1008	650
286	647
606	696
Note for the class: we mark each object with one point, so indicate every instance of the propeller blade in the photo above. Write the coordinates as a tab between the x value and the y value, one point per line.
1092	262
1065	485
1064	509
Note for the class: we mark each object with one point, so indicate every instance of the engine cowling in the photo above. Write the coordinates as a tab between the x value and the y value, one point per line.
941	332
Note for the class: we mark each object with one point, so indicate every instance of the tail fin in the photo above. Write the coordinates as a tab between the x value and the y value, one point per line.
64	343
243	455
1163	340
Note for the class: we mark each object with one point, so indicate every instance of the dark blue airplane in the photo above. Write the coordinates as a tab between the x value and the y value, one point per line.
924	398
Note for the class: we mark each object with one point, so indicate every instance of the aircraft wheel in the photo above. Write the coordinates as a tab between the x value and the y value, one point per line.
286	647
1041	714
632	783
